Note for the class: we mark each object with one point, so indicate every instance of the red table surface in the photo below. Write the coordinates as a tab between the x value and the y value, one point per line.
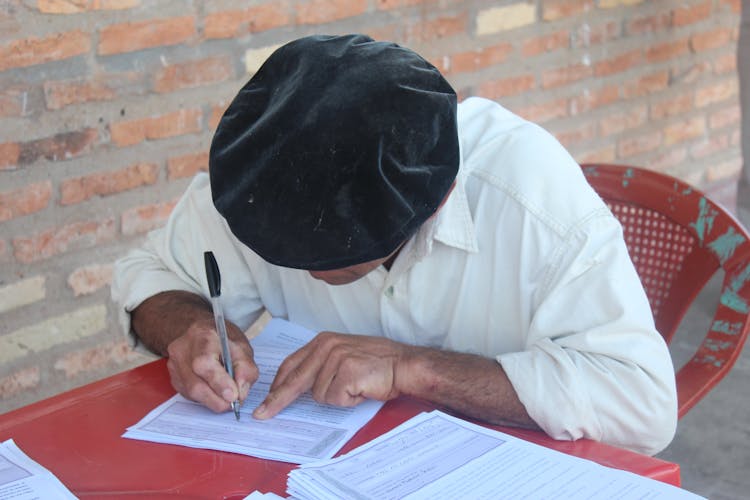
77	436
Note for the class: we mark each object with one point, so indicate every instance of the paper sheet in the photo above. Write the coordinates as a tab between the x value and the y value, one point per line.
303	432
435	456
21	478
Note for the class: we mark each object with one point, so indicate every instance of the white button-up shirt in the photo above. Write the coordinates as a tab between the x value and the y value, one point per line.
524	263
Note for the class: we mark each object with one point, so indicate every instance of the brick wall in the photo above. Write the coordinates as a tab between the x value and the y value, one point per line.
107	109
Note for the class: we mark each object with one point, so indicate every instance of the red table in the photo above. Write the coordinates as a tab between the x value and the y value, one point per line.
76	435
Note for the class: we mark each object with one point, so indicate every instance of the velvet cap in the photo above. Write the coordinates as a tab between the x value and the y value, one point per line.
335	152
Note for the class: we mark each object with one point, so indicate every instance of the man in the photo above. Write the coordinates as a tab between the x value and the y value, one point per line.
454	254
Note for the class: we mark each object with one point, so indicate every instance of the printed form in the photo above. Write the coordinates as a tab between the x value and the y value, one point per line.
305	431
434	455
21	478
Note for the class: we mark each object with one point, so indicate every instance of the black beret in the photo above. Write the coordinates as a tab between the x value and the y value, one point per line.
335	152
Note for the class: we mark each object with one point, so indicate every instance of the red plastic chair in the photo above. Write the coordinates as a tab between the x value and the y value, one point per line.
678	239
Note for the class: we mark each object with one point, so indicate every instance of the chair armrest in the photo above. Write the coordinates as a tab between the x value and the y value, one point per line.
723	342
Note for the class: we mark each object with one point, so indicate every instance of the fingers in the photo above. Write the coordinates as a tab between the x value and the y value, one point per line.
198	373
339	369
297	378
245	370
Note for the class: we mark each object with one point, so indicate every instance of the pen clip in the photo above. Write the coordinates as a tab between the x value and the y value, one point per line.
212	274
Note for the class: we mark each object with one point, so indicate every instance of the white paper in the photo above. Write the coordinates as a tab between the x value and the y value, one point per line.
21	478
302	432
435	456
257	495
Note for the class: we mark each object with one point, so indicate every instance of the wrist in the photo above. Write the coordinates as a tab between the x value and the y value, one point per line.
414	375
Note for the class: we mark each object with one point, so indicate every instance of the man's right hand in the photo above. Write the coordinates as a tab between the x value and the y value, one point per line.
181	325
197	370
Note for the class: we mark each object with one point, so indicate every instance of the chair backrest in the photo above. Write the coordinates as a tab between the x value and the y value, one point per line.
678	239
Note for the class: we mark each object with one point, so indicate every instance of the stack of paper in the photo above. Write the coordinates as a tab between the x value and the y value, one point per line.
21	478
436	456
303	432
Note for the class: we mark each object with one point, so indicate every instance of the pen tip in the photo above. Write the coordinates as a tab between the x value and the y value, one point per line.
236	408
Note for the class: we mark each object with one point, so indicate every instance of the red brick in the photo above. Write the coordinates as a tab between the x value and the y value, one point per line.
552	10
592	99
13	102
395	4
96	359
649	24
665	161
725	117
481	58
507	86
71	237
88	279
387	32
691	14
667	50
61	93
708	40
631	146
672	105
145	218
326	11
105	183
545	43
544	112
441	61
694	71
710	145
735	5
717	92
129	37
429	31
726	63
646	85
217	112
9	154
619	63
184	121
62	146
576	135
25	200
32	51
593	35
236	23
564	76
684	130
632	118
605	155
193	74
187	165
76	6
19	381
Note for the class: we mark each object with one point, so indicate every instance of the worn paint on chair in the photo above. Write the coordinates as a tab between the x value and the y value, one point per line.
726	327
705	220
725	245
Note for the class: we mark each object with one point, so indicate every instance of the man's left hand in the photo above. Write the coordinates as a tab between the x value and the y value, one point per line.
339	369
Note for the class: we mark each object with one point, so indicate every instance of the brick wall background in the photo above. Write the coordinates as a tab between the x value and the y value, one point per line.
107	108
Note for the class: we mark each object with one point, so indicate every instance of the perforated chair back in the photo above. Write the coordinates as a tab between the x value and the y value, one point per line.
678	239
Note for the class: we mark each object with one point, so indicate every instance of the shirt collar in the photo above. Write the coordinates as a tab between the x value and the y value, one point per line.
452	225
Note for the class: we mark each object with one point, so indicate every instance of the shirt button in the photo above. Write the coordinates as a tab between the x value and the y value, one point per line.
389	292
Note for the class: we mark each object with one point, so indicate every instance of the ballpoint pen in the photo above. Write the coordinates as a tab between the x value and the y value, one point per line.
214	287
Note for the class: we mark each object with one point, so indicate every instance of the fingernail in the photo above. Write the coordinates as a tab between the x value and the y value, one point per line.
244	388
260	411
228	395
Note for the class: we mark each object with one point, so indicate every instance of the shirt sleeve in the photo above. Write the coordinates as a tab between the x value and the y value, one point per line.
594	365
172	259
